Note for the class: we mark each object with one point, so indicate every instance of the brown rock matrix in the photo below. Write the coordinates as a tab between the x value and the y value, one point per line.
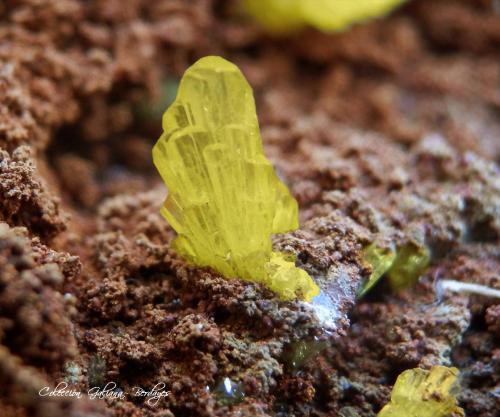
387	133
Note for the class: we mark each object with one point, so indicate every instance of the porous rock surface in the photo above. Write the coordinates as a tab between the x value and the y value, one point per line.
388	132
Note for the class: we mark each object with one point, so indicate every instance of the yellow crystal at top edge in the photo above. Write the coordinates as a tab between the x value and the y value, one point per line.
422	393
224	198
326	15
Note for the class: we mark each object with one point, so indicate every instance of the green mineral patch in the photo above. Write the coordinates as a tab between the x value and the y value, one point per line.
300	352
153	108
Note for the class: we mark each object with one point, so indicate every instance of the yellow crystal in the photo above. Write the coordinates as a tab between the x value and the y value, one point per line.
381	260
421	393
410	263
224	198
326	15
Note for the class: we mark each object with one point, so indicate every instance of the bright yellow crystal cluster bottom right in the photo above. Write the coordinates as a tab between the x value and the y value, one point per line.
422	393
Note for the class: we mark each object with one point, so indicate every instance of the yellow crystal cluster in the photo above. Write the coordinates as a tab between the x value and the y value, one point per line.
326	15
421	393
224	198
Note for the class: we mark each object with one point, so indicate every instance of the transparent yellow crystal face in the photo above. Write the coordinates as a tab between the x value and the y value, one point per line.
421	393
409	265
403	267
326	15
381	260
224	198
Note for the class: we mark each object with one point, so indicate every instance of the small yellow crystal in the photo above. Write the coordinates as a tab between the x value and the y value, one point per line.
410	263
326	15
225	200
421	393
381	260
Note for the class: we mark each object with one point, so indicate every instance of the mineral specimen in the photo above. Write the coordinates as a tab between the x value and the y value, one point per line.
326	15
225	200
421	393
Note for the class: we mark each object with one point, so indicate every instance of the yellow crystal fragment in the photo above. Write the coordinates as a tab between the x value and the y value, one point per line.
410	263
326	15
381	260
421	393
225	200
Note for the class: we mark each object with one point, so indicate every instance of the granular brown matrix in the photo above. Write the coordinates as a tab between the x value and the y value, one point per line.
386	134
